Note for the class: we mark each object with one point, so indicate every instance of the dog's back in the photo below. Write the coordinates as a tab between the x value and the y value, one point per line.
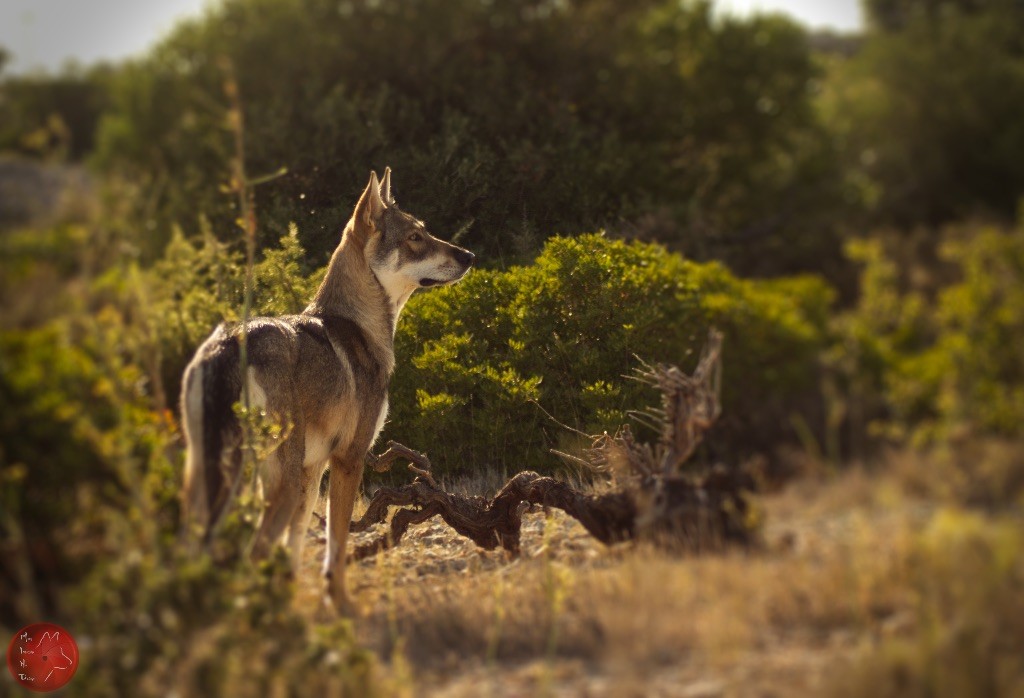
319	378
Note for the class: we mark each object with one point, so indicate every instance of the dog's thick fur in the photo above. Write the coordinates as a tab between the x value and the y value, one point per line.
325	372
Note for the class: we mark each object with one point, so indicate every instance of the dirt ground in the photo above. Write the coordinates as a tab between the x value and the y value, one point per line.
575	618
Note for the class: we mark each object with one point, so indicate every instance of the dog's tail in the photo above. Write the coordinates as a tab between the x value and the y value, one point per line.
210	388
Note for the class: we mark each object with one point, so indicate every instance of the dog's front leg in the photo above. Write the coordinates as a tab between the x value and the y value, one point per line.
346	474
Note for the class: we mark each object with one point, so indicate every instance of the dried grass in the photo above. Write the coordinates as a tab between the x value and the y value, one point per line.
843	570
878	581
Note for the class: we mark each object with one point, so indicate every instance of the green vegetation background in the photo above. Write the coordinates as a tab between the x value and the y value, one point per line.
844	208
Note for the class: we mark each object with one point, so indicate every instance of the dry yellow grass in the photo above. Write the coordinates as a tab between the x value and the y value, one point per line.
859	582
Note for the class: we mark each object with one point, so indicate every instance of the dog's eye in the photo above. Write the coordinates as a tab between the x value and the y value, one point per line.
415	237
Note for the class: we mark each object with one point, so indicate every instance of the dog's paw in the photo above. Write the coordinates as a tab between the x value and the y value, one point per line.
335	598
331	610
325	612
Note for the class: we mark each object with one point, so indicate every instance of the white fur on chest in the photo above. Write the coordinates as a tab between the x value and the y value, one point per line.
381	419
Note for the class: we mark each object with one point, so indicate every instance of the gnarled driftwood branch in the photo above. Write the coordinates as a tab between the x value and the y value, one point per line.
654	499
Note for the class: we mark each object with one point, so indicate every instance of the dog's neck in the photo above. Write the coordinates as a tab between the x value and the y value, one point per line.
351	290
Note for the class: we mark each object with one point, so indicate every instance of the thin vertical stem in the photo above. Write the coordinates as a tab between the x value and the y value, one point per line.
243	186
247	222
246	204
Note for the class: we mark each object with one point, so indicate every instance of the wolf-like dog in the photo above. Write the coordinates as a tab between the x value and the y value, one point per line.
325	372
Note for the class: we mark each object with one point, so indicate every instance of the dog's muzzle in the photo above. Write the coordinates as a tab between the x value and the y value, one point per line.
465	259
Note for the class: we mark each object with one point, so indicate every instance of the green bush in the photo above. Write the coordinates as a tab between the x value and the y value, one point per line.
175	305
90	479
75	422
478	360
160	619
936	361
89	485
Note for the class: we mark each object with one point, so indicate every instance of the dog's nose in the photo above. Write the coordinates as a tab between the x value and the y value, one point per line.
466	257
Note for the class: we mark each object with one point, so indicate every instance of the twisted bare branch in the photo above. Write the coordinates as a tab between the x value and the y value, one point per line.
654	499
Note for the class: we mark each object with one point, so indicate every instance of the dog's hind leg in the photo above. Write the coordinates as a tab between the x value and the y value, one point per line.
346	474
231	470
299	526
278	511
282	492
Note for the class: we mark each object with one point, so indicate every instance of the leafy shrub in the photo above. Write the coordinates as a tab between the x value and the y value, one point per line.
935	362
476	359
52	115
89	485
479	359
198	284
160	617
73	415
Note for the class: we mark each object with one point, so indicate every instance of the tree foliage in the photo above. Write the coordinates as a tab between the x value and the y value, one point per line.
53	116
503	120
928	113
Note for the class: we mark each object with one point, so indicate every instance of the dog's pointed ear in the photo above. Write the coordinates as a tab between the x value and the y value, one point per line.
385	188
370	207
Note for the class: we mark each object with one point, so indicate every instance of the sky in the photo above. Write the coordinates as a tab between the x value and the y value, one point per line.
832	14
47	34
